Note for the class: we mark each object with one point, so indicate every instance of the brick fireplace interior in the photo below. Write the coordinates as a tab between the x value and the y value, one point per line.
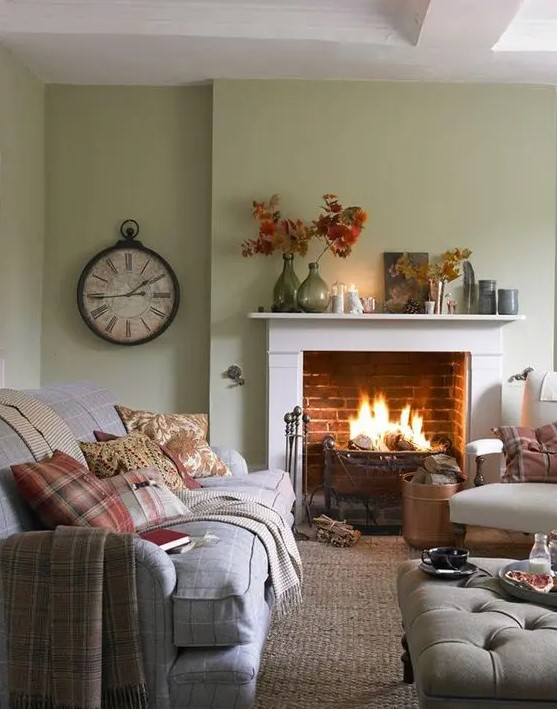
434	383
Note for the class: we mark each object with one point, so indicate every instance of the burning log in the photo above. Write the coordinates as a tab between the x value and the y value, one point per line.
398	441
334	532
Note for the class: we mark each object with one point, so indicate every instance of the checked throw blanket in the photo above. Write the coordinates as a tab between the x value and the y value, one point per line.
70	608
243	510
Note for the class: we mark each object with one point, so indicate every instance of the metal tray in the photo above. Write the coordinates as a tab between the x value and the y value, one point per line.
525	594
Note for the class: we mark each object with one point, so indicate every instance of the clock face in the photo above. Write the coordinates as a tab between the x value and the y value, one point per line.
128	294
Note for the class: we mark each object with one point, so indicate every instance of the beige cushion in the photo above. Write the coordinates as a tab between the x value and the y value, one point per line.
522	507
127	453
182	434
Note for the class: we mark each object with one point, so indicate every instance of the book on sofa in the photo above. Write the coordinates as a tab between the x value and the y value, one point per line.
167	538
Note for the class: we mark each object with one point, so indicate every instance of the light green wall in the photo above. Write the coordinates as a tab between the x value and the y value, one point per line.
436	165
142	153
21	220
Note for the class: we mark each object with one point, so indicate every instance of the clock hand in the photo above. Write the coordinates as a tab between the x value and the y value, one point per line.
141	285
101	296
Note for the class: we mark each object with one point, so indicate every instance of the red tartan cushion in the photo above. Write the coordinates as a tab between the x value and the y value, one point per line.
62	491
189	482
147	499
530	453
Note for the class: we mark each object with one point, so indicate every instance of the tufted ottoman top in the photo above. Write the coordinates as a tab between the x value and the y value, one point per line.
471	646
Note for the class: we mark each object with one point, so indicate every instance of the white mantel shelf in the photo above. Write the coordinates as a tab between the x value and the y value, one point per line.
393	317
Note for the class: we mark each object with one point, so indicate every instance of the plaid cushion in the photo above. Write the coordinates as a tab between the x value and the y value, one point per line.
530	453
62	491
189	482
126	453
147	499
182	434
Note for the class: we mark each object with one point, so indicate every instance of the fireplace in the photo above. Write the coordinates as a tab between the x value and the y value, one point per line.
434	384
477	338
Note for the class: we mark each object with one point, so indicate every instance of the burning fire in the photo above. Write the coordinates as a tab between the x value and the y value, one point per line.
372	429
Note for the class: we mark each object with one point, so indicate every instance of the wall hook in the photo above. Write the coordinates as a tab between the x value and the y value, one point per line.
235	374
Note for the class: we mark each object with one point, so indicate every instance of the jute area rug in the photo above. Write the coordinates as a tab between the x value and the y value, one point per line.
342	648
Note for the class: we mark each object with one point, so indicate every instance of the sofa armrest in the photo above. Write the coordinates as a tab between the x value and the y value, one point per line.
484	446
235	461
479	449
156	584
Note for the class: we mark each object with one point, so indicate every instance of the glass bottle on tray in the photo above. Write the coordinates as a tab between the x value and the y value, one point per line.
552	544
539	561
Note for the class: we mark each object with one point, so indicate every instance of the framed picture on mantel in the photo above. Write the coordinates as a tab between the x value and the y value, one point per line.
398	289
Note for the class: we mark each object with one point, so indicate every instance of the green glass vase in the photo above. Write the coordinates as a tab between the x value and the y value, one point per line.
313	294
285	291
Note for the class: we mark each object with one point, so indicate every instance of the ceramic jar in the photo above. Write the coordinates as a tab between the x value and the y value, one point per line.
487	297
507	301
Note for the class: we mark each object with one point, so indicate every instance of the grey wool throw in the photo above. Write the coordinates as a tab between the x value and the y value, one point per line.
242	510
70	606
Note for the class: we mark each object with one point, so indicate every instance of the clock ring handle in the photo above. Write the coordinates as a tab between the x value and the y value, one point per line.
129	229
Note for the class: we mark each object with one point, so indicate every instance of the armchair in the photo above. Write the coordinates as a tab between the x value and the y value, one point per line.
517	506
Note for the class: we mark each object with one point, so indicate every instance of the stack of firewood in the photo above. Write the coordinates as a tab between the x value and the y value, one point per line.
335	532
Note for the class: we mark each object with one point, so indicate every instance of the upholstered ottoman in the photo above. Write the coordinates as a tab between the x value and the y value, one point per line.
474	646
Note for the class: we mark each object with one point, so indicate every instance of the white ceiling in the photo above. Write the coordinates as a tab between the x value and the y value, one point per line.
165	42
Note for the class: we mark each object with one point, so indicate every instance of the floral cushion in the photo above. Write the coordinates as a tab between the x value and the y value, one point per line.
189	482
183	434
130	453
147	499
62	491
530	453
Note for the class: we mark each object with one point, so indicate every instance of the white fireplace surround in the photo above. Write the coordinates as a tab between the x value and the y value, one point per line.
290	334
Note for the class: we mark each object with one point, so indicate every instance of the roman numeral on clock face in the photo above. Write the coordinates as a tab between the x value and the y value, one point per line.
97	312
145	265
128	329
158	312
110	326
111	265
161	295
100	278
129	261
145	325
156	278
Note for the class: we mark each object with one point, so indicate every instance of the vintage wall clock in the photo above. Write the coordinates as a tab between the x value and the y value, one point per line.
127	293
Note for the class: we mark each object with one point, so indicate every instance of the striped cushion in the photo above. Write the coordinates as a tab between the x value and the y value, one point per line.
62	491
147	499
530	453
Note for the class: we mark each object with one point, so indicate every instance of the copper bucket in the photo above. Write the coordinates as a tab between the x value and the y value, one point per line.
425	513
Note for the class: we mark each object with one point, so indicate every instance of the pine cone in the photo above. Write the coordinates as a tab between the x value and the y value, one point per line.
413	306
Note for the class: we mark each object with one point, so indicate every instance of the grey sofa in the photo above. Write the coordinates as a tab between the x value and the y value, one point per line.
204	615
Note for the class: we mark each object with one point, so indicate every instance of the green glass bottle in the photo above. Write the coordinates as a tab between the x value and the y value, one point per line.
313	294
285	291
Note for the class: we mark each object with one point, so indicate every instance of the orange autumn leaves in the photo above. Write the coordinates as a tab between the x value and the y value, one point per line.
337	227
448	268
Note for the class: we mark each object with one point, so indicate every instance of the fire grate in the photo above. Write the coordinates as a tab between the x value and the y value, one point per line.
371	478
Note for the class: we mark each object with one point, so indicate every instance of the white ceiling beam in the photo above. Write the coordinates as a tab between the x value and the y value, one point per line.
351	21
467	23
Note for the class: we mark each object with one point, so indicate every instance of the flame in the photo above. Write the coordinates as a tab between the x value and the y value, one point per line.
374	422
